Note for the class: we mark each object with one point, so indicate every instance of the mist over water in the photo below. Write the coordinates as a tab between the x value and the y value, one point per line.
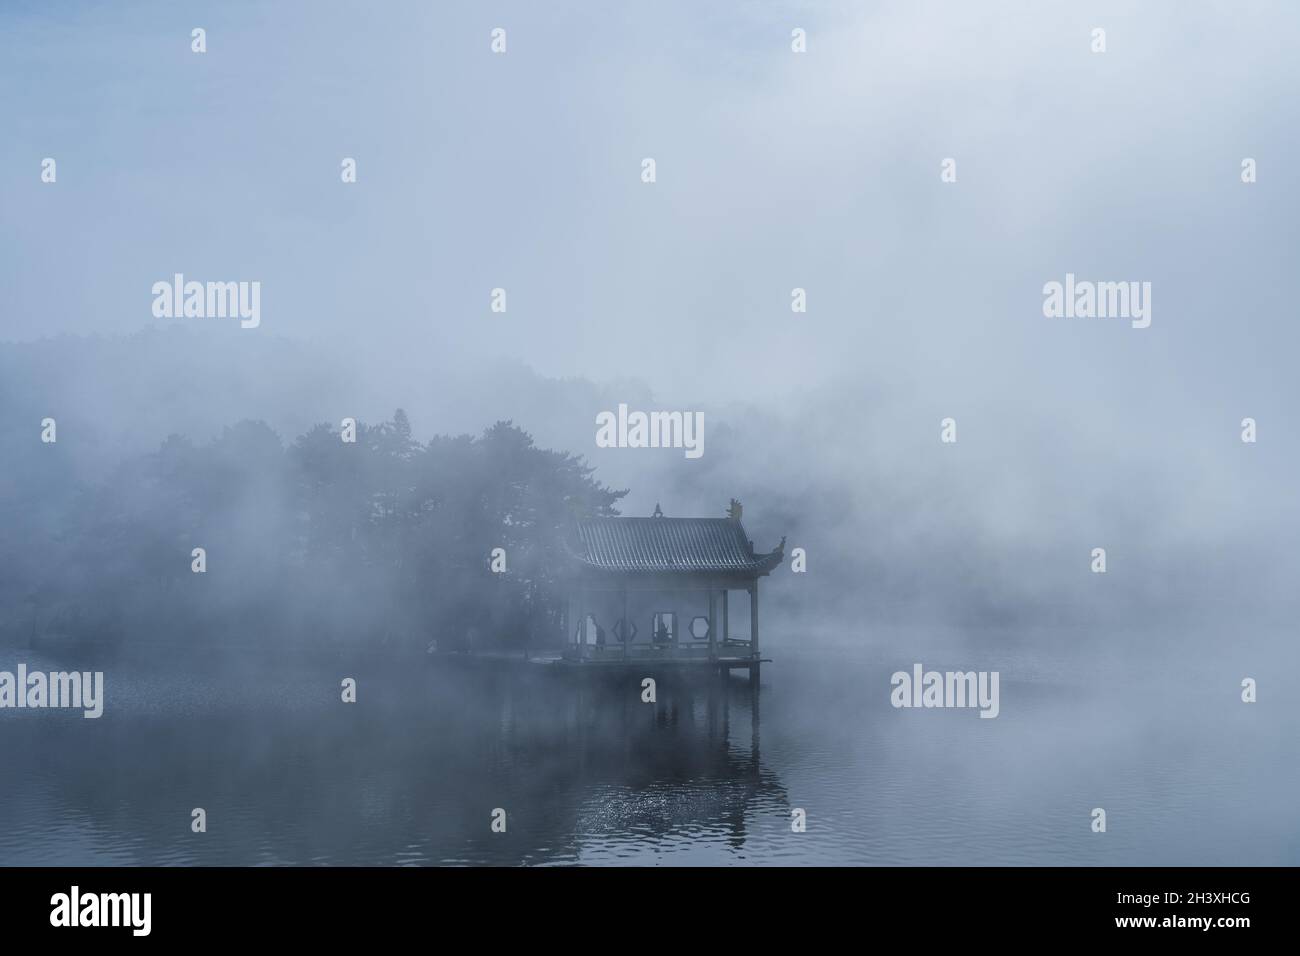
588	773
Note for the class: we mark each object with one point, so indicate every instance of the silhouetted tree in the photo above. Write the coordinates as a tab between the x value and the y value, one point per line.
383	540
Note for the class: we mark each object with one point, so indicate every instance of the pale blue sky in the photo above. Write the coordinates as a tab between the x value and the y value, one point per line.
775	171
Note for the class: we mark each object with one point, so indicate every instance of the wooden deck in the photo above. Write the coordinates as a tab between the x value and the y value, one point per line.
606	659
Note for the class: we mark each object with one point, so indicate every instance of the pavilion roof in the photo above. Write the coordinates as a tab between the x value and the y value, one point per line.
669	545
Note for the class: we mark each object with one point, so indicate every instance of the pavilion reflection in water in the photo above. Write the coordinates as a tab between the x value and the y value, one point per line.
690	759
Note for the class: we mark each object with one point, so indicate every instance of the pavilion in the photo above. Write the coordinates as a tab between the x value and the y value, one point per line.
656	590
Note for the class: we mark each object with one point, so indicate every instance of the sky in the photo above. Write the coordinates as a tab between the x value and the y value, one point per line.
775	170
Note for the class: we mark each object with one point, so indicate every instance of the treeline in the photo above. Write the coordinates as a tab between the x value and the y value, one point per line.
382	541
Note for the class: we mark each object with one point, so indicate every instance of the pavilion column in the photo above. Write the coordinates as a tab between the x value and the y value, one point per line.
568	618
726	624
753	619
582	624
713	624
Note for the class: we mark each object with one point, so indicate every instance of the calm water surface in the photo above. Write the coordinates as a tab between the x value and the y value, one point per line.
410	774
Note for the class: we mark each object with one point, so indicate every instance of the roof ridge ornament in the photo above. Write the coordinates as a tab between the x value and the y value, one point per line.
734	511
659	513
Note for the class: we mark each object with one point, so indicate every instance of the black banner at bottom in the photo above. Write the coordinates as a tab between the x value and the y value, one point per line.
333	905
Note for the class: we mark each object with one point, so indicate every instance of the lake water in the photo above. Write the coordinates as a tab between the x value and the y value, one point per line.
587	773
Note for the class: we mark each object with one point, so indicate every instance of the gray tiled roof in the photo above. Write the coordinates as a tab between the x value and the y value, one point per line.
669	545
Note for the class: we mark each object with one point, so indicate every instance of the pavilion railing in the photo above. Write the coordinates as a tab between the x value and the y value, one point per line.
669	651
